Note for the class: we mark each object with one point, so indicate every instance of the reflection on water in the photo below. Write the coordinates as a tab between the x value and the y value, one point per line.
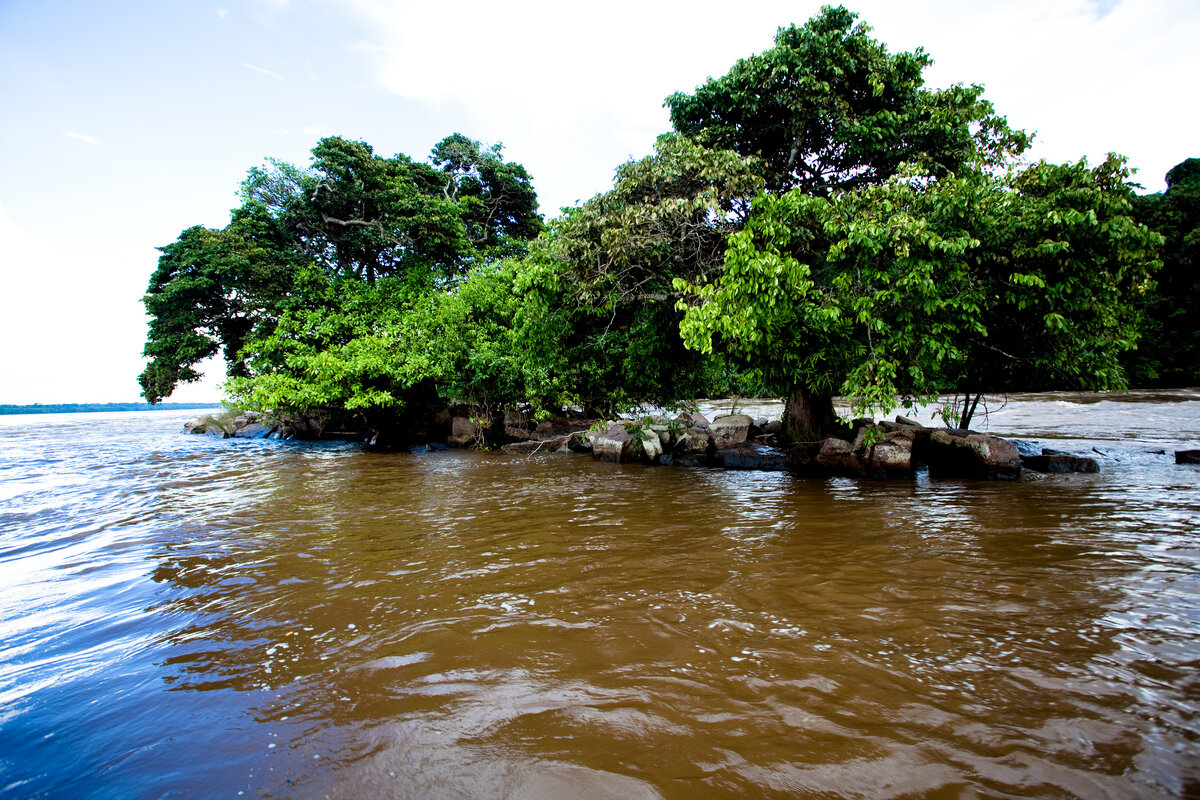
188	617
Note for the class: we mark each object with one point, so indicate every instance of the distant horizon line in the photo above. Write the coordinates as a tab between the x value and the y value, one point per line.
77	408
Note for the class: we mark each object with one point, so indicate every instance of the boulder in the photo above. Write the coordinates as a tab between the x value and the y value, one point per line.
518	426
693	441
837	457
892	457
560	444
689	418
1054	461
752	456
953	453
730	430
562	426
466	431
1187	456
617	444
1027	448
254	430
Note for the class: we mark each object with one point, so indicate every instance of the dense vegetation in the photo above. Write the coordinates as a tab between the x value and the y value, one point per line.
818	223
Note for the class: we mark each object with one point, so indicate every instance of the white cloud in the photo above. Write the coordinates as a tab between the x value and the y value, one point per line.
222	12
274	75
83	137
579	87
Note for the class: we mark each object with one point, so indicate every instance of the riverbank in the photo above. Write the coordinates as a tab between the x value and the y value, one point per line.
896	448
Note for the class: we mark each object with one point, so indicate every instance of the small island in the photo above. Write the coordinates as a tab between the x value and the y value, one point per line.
819	222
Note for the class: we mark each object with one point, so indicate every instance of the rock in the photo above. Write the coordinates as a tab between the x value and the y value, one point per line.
892	457
730	429
752	456
693	441
689	418
254	430
773	428
1026	448
1054	461
953	453
908	423
538	446
618	445
1187	456
837	456
468	431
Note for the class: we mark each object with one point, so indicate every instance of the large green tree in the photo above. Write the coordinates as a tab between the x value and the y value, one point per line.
210	290
354	218
614	259
828	108
920	287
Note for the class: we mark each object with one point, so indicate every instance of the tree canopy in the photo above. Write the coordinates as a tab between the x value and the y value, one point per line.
352	216
922	287
828	108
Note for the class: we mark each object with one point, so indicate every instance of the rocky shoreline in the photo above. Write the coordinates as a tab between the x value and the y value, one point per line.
862	448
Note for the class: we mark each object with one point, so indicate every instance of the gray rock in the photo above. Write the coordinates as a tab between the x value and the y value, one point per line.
693	441
730	430
892	457
254	430
689	418
615	444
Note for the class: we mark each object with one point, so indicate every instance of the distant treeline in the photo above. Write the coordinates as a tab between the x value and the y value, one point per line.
86	408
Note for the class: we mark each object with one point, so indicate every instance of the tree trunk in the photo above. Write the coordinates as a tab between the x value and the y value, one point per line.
968	412
808	416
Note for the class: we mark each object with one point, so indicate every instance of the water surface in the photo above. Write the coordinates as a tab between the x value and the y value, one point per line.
191	617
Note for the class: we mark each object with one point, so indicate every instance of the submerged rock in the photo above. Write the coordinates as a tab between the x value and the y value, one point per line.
752	457
1055	461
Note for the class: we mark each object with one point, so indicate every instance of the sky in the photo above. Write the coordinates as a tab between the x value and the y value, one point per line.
123	123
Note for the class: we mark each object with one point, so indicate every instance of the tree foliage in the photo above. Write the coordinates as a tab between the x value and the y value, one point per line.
920	287
210	290
1170	354
355	218
828	108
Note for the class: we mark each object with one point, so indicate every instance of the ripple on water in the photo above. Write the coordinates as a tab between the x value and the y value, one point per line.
308	620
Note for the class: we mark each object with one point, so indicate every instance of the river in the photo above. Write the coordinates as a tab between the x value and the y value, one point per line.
188	617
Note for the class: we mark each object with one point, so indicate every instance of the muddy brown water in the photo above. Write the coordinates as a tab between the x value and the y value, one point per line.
190	617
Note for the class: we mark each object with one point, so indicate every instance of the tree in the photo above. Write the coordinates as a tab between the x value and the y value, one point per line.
495	197
828	108
613	261
355	218
920	287
210	290
1170	352
358	214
